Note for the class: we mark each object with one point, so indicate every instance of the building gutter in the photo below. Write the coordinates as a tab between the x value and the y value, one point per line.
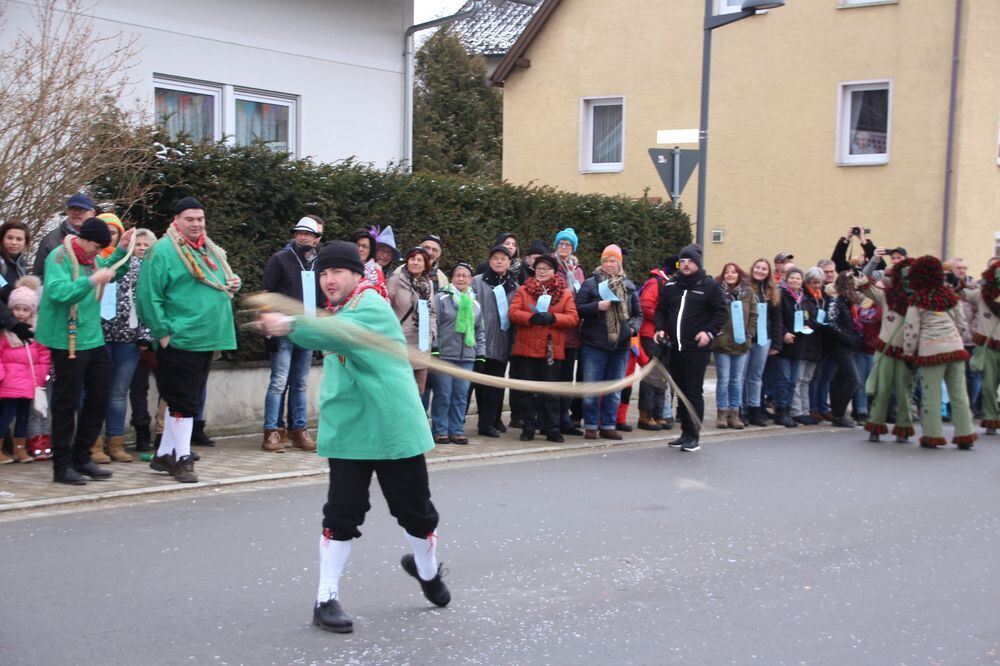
950	150
407	152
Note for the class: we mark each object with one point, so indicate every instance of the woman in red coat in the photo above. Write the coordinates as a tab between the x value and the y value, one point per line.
543	310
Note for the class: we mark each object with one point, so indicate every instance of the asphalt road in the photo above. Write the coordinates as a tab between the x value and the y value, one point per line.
793	549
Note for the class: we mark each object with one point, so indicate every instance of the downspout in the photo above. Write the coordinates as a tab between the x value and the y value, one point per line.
950	150
407	153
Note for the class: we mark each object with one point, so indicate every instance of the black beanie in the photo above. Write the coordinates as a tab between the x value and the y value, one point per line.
185	203
691	252
537	247
339	254
96	230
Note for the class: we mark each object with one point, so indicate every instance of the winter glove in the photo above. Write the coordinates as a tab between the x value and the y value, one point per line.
542	319
23	331
271	344
480	365
435	352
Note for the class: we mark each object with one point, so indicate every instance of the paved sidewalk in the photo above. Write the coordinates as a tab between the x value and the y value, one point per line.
239	459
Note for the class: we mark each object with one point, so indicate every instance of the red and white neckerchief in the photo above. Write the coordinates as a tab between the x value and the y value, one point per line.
362	286
199	247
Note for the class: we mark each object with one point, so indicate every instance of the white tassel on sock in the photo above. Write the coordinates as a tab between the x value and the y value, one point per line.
425	555
182	429
167	439
332	560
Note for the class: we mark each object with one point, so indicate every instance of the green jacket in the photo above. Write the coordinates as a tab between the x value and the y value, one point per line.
170	301
369	406
61	291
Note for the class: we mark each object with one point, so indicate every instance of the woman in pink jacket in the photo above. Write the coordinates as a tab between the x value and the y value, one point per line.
23	367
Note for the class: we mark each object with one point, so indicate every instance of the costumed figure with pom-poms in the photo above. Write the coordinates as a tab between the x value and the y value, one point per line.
986	336
932	341
890	371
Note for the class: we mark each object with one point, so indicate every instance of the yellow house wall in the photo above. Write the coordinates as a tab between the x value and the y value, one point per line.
773	180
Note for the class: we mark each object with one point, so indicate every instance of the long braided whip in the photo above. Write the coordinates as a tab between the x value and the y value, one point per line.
267	301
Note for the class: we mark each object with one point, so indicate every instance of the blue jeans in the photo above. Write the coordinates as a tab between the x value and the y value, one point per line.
16	411
819	388
863	362
756	360
124	359
451	397
600	365
786	374
730	371
289	367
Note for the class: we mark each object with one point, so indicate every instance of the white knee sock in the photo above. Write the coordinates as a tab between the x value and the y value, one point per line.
332	560
181	430
425	554
167	439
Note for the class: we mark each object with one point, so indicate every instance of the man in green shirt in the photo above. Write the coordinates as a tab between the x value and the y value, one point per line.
69	324
184	296
371	420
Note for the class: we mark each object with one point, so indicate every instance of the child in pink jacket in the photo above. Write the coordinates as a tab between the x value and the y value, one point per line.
22	368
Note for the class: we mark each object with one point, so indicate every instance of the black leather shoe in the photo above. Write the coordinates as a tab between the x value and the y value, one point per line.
198	436
554	436
491	432
329	616
527	435
91	469
184	470
500	427
570	430
623	427
435	590
163	464
70	477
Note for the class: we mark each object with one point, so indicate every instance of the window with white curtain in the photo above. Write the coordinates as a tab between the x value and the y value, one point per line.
865	121
188	108
265	118
602	140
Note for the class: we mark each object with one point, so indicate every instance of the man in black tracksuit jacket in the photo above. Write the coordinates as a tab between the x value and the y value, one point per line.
690	312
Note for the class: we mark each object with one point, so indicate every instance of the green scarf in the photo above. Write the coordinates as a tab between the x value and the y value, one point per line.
465	319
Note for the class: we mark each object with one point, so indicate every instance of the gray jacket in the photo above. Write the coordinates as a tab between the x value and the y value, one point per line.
49	242
451	344
498	342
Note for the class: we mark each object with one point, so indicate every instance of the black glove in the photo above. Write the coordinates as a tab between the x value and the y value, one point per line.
542	319
23	331
271	344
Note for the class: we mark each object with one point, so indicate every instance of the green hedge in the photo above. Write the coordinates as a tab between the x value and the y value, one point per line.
254	196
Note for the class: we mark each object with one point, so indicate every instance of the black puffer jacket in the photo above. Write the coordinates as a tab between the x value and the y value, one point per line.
689	305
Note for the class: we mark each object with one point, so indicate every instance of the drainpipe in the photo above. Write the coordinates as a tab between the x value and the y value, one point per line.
950	150
407	153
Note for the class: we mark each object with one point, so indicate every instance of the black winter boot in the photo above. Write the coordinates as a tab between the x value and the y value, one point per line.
782	418
198	436
757	417
142	438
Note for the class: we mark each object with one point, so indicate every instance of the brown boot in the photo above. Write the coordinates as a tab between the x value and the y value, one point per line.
283	437
733	420
4	459
301	439
720	419
647	422
116	449
272	442
97	453
590	434
21	451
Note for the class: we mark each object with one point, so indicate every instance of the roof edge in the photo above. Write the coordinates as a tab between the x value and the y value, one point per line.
524	41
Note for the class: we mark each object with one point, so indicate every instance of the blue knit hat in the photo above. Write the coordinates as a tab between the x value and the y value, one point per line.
569	235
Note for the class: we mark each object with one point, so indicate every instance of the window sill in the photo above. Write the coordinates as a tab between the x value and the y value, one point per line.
603	169
867	3
863	164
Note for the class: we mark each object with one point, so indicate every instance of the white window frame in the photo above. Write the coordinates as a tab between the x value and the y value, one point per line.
217	90
848	4
266	97
843	148
723	7
587	134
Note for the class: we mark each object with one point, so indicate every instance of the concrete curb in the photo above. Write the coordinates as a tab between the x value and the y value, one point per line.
301	474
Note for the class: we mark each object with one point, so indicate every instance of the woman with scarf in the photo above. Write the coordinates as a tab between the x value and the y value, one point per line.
890	372
411	297
985	298
494	289
572	274
731	349
608	306
842	344
788	360
767	338
802	411
15	238
932	341
365	241
125	337
461	341
543	310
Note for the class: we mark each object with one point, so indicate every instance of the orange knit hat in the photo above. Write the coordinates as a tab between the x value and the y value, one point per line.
612	251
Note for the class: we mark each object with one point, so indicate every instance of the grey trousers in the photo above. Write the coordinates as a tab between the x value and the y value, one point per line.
800	401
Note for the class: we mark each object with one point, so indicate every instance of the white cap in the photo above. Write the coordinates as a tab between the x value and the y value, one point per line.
307	224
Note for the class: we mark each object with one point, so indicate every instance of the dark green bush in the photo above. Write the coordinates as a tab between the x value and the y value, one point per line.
253	198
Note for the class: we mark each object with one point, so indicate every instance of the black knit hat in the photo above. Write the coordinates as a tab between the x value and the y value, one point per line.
547	259
339	254
96	230
537	247
185	203
692	253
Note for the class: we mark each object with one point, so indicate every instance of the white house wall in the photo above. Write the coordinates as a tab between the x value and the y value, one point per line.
342	59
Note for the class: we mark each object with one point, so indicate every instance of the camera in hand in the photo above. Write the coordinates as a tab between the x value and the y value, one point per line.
856	231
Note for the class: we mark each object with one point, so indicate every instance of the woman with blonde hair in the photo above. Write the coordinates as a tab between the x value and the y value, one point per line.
767	337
